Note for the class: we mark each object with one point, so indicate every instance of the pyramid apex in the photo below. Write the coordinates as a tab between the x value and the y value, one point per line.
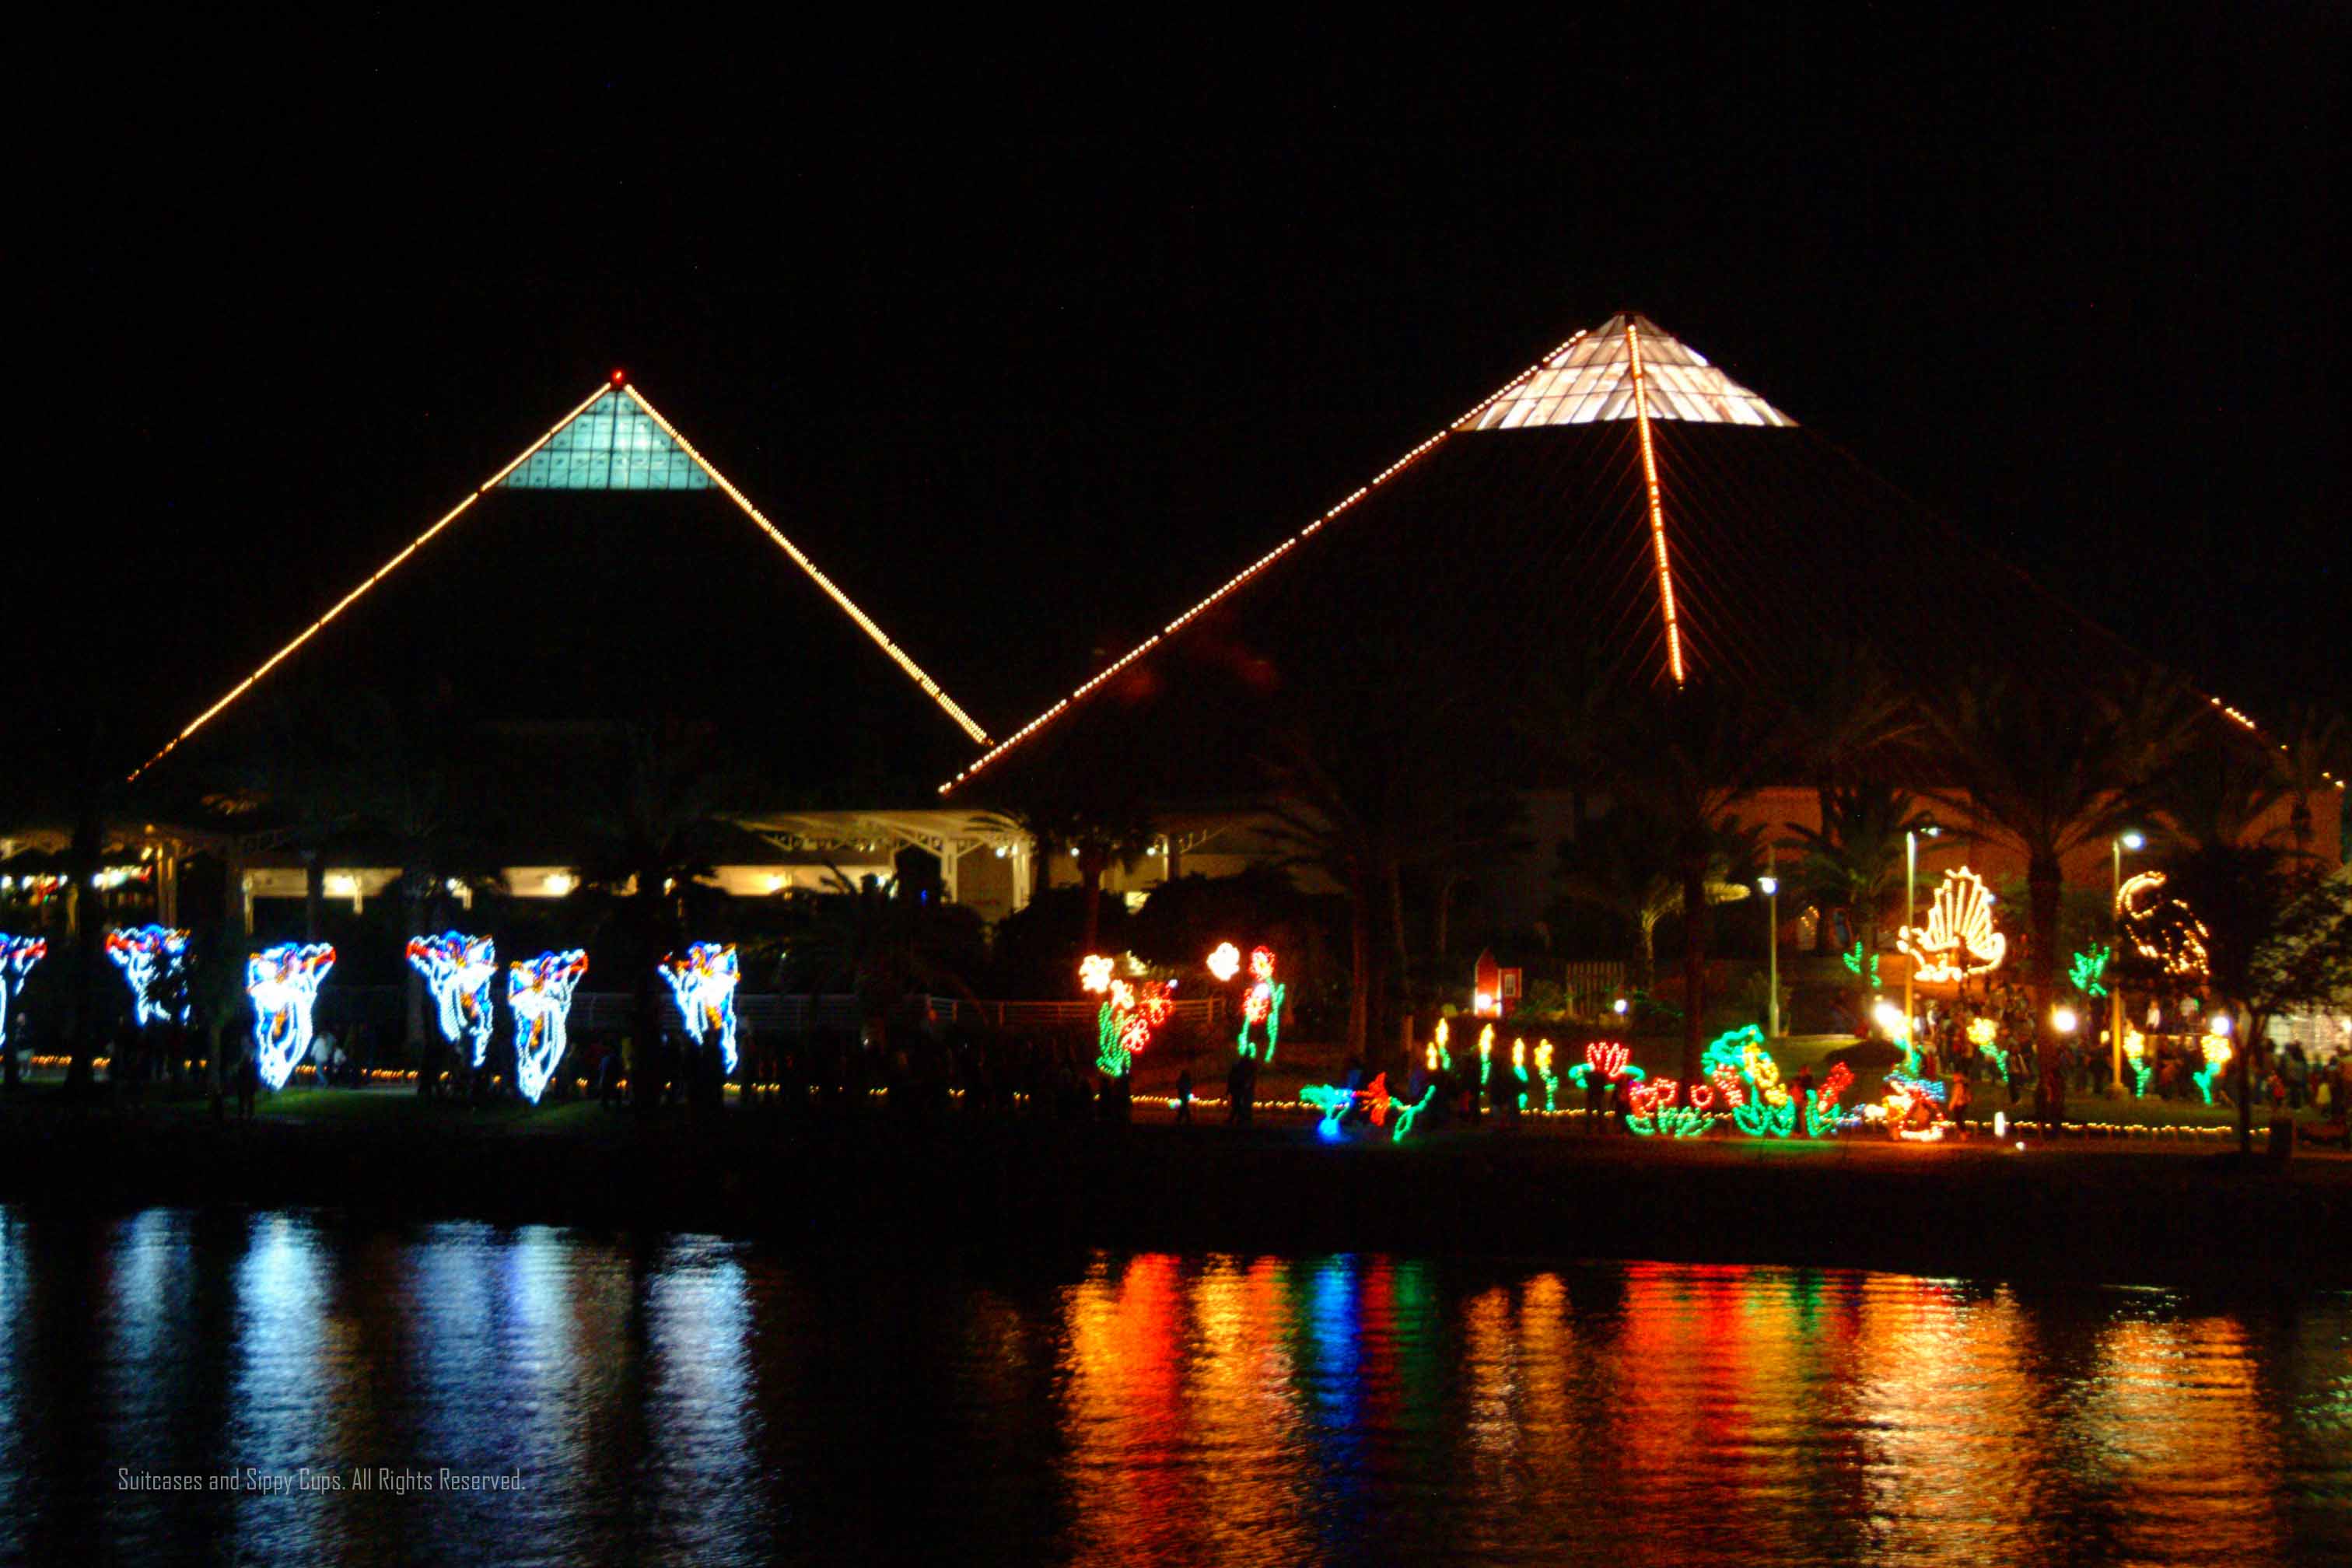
1591	381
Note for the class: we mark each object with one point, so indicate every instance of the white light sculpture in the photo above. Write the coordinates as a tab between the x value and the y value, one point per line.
283	983
154	965
17	956
457	970
703	981
1959	941
540	992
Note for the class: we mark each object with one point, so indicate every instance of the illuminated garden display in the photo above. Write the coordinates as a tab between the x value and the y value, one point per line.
539	995
1333	1102
1822	1114
1435	1055
2135	1053
17	956
1747	1082
1225	962
1129	1016
458	971
1914	1106
2217	1051
2162	928
702	980
283	983
2089	971
1608	1059
154	965
1854	966
1959	941
1550	1079
1653	1110
1261	1003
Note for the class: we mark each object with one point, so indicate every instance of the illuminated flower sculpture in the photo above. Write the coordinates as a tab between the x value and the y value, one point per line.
1225	962
154	965
17	956
1261	1003
1825	1116
2163	928
1747	1082
703	981
1959	941
539	994
1653	1111
1128	1015
1607	1058
458	971
283	984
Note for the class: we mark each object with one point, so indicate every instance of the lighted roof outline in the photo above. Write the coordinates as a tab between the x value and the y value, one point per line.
1591	382
634	430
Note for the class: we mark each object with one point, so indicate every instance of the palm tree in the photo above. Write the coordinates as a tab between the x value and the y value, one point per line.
1615	864
1852	858
2317	745
2049	767
1682	759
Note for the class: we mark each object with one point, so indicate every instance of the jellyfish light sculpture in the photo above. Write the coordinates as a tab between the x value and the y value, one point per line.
17	956
458	971
283	984
154	965
703	980
539	994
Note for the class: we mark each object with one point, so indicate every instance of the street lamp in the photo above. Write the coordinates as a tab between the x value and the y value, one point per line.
1771	886
2133	840
1911	907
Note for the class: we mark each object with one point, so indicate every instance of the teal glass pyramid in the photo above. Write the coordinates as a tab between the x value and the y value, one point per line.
612	446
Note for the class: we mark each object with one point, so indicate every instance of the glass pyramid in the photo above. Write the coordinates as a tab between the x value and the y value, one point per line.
612	446
1591	380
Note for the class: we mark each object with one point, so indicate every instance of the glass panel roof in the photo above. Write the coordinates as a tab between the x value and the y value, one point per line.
614	446
1592	380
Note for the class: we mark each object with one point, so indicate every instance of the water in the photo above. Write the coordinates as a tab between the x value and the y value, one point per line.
695	1400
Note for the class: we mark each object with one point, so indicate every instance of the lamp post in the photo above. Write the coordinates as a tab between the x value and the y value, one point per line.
2130	838
1911	909
1771	886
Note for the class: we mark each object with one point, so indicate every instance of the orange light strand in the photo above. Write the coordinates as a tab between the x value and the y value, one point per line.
381	572
1255	567
881	639
1657	511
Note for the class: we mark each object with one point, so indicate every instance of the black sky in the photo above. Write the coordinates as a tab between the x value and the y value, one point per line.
1030	344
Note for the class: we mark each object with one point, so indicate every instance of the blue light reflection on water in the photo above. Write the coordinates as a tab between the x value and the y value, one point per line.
691	1399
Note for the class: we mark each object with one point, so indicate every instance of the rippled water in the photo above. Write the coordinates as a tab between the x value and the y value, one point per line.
688	1399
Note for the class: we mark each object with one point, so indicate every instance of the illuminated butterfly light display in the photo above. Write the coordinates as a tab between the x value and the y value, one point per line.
17	956
154	965
458	971
283	983
1959	941
539	994
703	980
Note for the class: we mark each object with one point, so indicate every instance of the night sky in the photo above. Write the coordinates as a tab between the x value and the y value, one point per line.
1030	346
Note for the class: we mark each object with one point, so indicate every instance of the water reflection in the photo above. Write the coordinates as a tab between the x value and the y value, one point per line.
694	1400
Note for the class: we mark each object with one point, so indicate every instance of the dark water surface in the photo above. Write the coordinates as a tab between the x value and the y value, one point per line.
694	1400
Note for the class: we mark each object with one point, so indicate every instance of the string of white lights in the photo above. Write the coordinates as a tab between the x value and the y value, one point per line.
881	639
381	572
1255	567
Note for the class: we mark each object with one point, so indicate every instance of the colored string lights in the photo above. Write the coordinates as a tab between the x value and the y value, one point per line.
1651	1111
1435	1055
17	956
1747	1082
458	970
283	983
1822	1113
1129	1016
1333	1101
1550	1079
1261	1003
2135	1053
1914	1106
1609	1059
539	993
702	980
1959	941
154	963
1853	964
